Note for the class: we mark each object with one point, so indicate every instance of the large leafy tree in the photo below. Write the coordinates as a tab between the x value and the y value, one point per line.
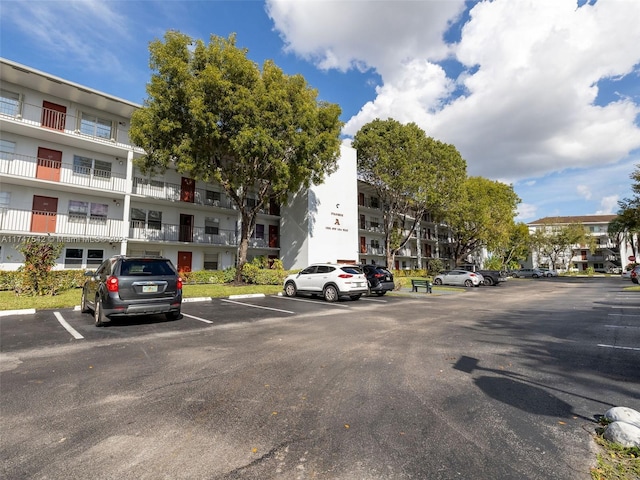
626	227
482	217
411	173
515	247
214	115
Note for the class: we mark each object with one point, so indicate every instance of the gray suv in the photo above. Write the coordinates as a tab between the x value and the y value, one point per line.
125	286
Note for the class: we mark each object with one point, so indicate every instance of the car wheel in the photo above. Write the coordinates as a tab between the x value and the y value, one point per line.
83	303
355	297
98	314
468	283
488	281
535	275
330	293
172	315
290	289
380	293
437	281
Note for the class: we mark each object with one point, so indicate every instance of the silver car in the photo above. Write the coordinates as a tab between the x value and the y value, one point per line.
528	272
459	277
332	281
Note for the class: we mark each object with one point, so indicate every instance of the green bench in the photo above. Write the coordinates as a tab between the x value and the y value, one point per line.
426	284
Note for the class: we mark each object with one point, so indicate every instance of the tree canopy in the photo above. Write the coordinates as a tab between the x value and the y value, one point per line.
411	173
481	217
213	114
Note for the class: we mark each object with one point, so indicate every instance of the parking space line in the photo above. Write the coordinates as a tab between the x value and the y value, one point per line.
369	299
291	299
257	306
67	327
619	348
624	315
196	318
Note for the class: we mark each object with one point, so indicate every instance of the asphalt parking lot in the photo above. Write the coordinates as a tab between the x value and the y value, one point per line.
498	382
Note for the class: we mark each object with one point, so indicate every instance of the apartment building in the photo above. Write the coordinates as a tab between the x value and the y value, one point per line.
609	255
68	173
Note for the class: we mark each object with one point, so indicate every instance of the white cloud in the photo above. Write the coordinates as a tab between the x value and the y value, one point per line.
530	85
526	211
609	205
584	191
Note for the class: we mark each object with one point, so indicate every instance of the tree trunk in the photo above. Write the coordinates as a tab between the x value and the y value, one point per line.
243	247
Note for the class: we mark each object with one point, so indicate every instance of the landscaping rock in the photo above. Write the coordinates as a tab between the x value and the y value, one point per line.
625	434
623	414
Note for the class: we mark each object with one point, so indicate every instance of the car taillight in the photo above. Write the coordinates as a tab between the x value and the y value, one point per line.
112	284
378	275
345	275
472	274
179	284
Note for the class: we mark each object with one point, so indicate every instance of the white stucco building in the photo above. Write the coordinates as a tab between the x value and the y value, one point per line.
67	173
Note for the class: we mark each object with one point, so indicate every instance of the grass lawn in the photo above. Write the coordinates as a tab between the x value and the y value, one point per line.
71	298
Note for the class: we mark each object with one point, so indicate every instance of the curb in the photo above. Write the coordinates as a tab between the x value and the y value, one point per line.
26	311
248	295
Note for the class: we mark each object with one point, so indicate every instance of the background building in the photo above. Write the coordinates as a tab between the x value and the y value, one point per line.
609	255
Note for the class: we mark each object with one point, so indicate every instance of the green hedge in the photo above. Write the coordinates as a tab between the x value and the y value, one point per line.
62	279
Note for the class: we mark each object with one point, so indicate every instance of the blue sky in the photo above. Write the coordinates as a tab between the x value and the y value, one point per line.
544	95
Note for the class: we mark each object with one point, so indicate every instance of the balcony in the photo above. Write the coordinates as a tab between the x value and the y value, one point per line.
375	227
24	166
94	229
167	232
18	112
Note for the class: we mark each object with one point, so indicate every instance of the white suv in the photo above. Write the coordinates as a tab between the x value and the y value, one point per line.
332	281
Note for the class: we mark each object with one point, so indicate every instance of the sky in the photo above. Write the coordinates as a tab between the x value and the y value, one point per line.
540	94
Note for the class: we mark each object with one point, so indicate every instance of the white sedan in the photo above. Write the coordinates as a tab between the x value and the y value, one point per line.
459	277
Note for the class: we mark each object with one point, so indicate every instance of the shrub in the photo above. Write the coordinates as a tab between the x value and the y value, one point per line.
40	256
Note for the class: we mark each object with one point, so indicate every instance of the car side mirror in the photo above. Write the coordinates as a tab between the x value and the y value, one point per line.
90	273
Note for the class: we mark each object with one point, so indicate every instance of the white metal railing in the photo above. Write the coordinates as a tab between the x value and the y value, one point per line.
88	227
67	173
65	122
176	233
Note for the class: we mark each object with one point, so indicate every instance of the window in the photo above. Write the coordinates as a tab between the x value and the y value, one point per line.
375	244
78	210
9	103
94	256
141	218
251	202
7	150
72	257
374	202
211	226
95	126
210	261
89	166
258	232
99	211
212	198
5	199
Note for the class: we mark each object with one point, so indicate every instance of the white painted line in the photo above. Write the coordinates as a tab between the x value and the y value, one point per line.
369	299
196	299
197	318
328	304
620	348
26	311
624	314
68	327
622	326
624	306
257	306
248	295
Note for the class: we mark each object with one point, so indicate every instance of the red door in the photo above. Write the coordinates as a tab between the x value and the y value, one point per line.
184	262
273	236
43	215
187	190
53	115
49	163
186	228
363	244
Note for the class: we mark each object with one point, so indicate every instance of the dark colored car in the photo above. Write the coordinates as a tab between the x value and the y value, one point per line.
634	274
380	279
125	286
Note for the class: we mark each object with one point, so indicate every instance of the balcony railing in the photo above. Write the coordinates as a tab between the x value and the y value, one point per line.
173	192
372	227
65	122
80	227
66	173
167	232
